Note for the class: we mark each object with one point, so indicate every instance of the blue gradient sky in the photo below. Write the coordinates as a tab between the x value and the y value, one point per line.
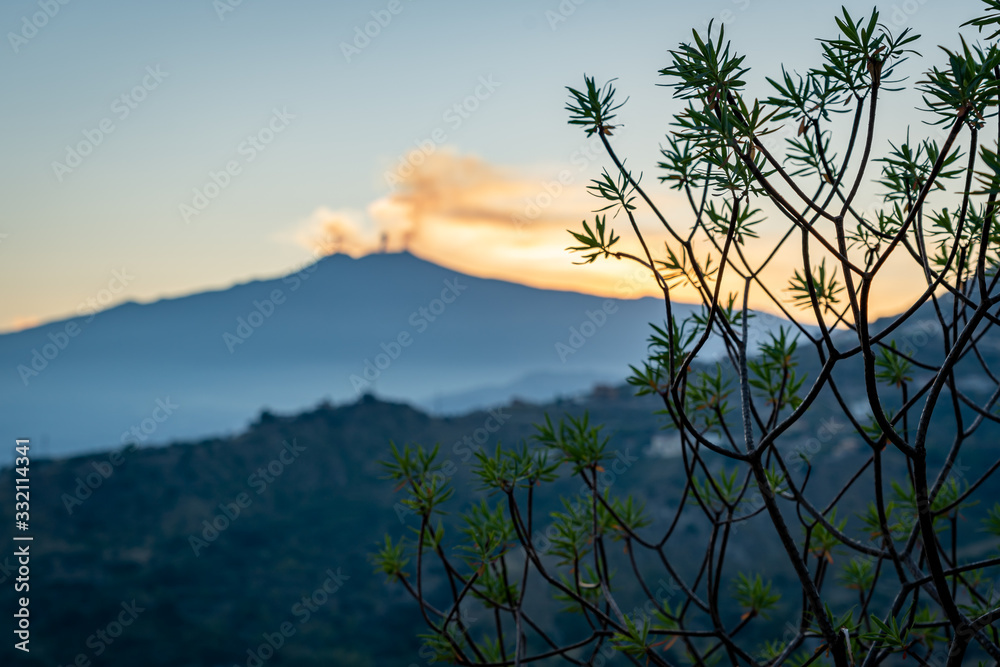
227	72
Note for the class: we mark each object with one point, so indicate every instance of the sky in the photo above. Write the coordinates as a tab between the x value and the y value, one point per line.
158	149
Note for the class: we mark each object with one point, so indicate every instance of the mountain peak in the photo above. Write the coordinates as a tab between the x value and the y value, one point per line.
393	324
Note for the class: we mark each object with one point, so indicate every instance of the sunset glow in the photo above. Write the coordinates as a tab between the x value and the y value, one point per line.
494	197
460	212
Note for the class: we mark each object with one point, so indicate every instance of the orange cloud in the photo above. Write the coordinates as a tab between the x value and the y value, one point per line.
460	212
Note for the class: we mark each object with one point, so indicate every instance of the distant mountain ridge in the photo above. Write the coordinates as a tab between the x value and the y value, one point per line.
391	323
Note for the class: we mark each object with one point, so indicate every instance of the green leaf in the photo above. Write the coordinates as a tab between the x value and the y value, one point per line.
596	243
593	109
755	595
